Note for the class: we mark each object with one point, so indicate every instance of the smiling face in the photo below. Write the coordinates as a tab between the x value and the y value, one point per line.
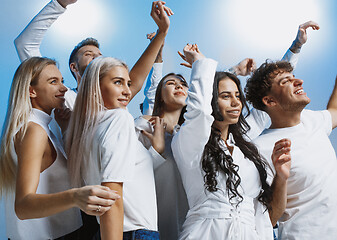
287	93
174	92
48	92
229	101
115	88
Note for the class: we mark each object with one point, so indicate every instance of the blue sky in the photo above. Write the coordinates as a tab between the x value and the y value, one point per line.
227	31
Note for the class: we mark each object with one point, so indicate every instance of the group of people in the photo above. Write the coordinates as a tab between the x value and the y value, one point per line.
198	164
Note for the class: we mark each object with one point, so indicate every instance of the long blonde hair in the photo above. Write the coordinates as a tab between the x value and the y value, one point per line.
18	111
88	104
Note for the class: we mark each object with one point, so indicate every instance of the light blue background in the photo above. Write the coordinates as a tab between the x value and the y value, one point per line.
227	31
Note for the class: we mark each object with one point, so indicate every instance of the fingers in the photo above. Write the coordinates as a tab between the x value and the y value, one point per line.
168	11
281	148
311	24
157	122
186	65
104	192
150	36
147	134
182	55
96	210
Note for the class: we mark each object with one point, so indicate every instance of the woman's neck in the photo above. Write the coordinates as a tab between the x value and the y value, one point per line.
171	118
223	128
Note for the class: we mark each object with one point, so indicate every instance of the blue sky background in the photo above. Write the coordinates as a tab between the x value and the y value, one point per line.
225	30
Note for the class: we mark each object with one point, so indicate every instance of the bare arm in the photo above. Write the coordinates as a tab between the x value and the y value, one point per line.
332	105
143	66
153	80
111	223
292	54
302	36
32	159
281	160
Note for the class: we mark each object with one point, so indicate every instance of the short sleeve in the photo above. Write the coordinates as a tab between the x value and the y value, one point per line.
318	119
117	147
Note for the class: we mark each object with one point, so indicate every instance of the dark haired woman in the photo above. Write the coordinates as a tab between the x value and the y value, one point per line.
169	105
223	175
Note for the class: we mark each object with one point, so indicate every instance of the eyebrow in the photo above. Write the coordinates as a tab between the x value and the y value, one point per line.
90	51
174	80
228	92
54	78
287	77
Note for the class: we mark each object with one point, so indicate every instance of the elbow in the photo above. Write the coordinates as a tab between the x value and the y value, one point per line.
20	212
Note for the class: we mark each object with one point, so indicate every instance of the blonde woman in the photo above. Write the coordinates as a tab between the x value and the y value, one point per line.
33	169
103	149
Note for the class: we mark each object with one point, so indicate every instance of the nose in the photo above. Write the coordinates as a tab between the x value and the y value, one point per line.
63	88
179	85
297	82
96	55
235	102
126	91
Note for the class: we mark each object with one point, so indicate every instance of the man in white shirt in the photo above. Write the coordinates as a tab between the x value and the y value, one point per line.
304	200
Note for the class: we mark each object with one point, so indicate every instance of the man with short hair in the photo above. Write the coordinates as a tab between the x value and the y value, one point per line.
304	199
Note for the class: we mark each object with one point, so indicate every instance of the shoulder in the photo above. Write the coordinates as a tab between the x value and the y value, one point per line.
311	115
35	130
35	138
118	115
114	122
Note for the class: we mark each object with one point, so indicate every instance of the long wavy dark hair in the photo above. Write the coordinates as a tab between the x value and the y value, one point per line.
214	159
158	108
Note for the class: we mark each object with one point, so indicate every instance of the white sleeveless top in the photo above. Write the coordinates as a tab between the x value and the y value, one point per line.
53	179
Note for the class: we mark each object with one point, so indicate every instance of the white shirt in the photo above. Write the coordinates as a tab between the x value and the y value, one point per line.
211	215
311	210
52	180
116	155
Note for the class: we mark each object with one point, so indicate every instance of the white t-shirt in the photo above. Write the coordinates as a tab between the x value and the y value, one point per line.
311	210
116	155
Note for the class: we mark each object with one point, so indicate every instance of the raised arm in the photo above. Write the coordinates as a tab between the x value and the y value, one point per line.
332	105
198	120
282	160
31	161
153	80
28	42
243	68
141	69
301	38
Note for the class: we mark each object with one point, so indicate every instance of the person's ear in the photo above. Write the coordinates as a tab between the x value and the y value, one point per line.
32	92
269	101
73	67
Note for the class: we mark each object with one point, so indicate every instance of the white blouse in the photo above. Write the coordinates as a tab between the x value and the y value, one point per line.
211	215
52	180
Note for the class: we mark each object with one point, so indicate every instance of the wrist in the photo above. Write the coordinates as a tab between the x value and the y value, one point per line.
161	33
281	178
233	70
73	197
296	46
